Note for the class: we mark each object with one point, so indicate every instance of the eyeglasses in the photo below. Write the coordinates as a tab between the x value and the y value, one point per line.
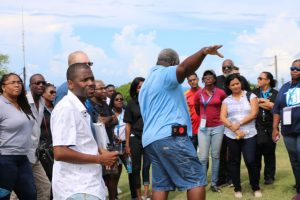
227	67
13	83
261	78
118	99
89	63
52	92
39	83
293	68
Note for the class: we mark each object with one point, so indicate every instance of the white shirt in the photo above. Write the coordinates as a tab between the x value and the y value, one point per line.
71	126
119	130
36	131
236	111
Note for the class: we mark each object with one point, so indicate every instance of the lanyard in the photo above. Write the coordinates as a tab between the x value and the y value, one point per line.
205	103
291	93
266	94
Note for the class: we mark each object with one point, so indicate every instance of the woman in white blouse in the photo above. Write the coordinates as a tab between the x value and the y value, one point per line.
238	113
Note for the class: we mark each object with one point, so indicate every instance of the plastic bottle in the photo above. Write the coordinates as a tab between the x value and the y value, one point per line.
129	165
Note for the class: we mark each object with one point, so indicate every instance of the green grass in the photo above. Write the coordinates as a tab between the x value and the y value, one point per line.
282	189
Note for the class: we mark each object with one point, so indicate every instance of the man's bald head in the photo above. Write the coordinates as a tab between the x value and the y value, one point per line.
78	57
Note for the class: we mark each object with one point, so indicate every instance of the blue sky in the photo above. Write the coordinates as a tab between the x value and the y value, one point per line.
123	38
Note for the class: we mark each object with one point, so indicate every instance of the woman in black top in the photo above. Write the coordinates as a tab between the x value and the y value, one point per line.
265	146
134	130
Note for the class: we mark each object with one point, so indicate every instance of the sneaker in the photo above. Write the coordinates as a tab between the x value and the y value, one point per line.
215	188
119	190
238	195
257	194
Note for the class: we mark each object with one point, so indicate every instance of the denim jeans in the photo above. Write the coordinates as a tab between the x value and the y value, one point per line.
292	144
211	137
247	148
16	174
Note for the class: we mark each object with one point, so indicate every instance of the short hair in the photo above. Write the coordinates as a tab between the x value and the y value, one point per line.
168	57
229	79
72	70
194	73
235	67
110	85
34	75
271	78
210	72
134	85
297	60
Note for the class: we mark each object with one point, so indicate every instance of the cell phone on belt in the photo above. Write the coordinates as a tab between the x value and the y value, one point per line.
179	130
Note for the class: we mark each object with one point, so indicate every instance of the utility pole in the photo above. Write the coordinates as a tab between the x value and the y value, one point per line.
23	49
276	71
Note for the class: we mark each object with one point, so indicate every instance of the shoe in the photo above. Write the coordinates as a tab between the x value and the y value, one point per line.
215	188
229	183
119	190
257	194
238	195
269	181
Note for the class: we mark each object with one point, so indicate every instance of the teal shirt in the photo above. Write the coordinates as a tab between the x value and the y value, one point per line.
162	104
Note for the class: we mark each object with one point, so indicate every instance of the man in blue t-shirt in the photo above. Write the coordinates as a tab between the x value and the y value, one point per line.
167	125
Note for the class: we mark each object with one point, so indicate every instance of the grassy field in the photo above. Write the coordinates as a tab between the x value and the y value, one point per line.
281	190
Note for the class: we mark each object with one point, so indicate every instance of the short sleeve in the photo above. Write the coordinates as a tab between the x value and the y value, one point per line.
252	96
63	127
128	115
169	77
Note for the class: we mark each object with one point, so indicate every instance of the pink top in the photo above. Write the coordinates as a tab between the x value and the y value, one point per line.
213	108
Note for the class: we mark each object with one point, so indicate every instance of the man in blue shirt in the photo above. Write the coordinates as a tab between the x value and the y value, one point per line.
164	110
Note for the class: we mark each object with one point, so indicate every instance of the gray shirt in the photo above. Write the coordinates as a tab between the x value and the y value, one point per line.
15	129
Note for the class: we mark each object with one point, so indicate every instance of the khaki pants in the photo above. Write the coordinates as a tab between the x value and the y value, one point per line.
42	183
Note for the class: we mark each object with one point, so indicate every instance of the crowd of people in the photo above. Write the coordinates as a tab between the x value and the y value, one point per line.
50	146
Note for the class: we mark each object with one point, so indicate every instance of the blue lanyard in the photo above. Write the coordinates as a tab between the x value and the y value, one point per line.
205	103
266	94
291	93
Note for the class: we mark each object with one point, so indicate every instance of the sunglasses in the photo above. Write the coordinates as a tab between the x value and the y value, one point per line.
52	92
227	67
39	83
261	78
295	69
118	99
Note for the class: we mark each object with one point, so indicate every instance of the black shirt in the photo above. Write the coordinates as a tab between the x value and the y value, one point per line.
221	83
133	116
104	111
264	117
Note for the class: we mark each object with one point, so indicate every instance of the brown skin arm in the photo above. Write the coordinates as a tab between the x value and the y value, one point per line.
127	135
193	62
65	154
276	121
265	104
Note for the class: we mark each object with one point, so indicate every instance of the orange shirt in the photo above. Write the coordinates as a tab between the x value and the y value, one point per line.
190	96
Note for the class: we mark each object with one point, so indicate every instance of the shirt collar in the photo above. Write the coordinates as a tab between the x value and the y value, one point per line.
75	100
31	100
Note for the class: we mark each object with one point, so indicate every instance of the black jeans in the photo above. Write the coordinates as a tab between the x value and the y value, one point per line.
266	148
146	168
136	149
16	174
224	169
247	148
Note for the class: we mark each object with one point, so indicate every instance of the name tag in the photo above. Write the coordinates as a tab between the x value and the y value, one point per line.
287	116
202	124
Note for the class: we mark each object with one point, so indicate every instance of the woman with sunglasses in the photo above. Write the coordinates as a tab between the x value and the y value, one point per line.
238	113
16	124
287	111
265	146
208	103
45	149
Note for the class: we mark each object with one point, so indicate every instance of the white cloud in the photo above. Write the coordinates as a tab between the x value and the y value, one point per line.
278	36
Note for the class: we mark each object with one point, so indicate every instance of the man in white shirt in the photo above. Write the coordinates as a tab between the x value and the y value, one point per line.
37	103
77	173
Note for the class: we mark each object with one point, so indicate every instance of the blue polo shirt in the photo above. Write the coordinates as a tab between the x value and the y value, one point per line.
162	104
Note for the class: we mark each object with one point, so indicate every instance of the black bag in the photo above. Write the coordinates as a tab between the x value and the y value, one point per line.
45	154
264	136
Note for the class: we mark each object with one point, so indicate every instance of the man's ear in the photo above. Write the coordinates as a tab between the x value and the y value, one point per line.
70	84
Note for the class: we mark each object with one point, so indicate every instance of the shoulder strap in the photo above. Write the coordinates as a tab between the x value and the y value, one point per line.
248	94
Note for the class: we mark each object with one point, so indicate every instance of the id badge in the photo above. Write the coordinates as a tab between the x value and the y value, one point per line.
202	124
287	116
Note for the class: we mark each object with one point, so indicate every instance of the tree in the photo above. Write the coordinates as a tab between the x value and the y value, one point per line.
124	90
4	60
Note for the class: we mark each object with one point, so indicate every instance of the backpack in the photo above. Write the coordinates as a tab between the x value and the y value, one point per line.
248	94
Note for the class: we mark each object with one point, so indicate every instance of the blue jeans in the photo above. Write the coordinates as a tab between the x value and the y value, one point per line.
211	136
16	174
175	164
292	144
